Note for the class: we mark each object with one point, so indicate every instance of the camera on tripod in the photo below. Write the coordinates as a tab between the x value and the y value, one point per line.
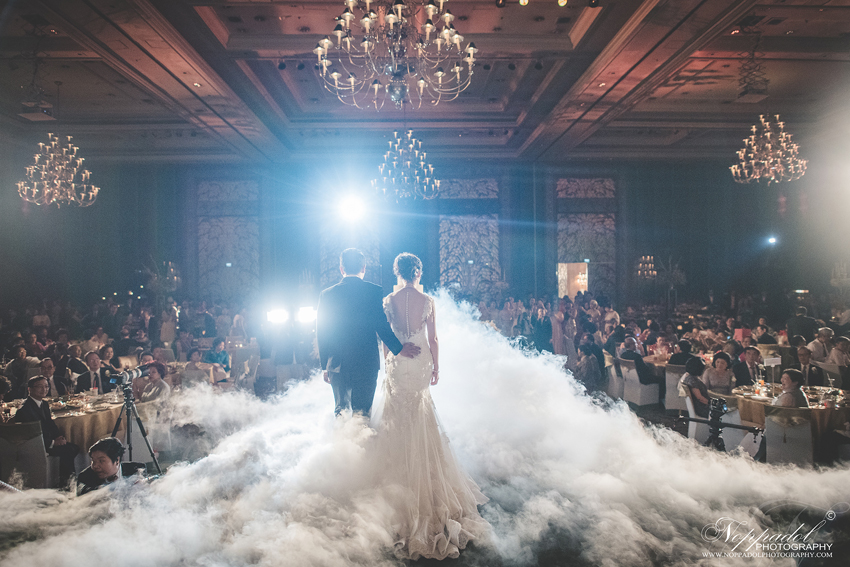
125	379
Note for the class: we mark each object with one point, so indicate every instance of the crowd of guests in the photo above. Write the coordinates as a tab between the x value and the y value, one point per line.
586	327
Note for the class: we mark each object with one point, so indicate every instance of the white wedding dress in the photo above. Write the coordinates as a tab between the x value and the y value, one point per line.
435	501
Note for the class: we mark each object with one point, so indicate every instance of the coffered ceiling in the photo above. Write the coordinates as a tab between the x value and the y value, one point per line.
235	81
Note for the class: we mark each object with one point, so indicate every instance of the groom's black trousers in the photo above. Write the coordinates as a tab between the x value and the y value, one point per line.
355	388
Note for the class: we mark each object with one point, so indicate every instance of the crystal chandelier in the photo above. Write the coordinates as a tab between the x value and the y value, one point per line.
769	155
405	173
409	52
56	177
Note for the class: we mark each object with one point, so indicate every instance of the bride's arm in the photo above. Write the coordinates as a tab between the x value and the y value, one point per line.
434	346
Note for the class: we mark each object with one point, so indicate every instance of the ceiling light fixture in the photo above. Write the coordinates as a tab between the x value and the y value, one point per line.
768	153
409	52
405	173
55	178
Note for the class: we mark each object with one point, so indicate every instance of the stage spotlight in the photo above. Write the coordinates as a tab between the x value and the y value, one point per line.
281	66
278	316
771	240
501	3
562	3
593	3
307	314
351	209
523	2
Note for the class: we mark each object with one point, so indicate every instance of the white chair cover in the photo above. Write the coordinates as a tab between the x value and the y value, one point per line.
615	382
696	431
672	400
788	432
633	391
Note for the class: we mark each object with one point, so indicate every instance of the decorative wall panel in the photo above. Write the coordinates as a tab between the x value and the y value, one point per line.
465	239
586	188
234	241
593	237
228	239
469	189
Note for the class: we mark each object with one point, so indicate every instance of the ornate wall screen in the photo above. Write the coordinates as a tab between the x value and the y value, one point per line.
469	189
586	188
228	232
475	239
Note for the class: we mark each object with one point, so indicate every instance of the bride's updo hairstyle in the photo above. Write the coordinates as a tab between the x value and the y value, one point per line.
407	266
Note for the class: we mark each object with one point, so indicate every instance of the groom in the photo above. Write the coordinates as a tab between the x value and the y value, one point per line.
350	315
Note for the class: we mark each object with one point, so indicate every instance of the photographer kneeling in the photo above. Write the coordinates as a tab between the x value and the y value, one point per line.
106	466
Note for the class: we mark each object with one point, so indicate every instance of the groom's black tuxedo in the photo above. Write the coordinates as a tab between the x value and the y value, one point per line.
350	315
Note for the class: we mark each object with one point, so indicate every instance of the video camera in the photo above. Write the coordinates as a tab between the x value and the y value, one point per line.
126	378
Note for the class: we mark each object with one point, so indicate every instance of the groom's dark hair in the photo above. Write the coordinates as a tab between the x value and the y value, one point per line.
352	261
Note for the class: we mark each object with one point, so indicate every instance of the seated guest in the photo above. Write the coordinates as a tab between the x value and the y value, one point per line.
108	359
644	372
681	353
140	383
747	372
694	368
59	348
106	466
57	385
195	371
36	409
72	363
718	377
220	358
587	371
34	349
839	353
798	341
587	339
124	346
96	377
615	340
157	388
762	336
141	340
91	343
812	375
792	395
17	372
821	346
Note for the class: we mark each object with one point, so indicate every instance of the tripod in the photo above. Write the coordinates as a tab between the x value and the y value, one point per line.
715	429
130	408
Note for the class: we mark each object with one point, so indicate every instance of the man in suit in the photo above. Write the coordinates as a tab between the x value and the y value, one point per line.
350	318
682	354
747	372
812	375
96	377
762	336
36	409
57	385
821	346
802	324
645	374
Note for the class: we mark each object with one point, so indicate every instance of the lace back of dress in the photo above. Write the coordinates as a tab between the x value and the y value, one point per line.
409	310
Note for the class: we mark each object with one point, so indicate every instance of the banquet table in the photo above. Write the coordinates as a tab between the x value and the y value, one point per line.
657	364
824	420
85	427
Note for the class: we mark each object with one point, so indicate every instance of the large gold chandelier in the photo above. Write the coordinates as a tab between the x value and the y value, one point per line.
769	155
55	178
405	173
409	52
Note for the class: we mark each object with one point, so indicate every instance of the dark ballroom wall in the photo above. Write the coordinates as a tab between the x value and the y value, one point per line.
715	229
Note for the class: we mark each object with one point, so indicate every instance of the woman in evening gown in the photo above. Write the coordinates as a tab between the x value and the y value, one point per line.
435	501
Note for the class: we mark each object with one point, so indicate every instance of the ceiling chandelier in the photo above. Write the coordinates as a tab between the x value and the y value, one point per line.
405	173
769	155
409	52
55	178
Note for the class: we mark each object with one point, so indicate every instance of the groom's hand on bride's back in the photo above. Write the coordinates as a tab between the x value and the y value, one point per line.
409	350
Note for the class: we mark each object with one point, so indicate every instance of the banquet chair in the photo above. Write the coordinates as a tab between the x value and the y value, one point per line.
205	343
246	380
672	401
788	432
696	431
615	381
22	450
633	391
33	371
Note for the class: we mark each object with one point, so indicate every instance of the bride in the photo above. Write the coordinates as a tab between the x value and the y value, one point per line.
435	500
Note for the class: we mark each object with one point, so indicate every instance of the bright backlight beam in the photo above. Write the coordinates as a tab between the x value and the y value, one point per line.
351	209
278	316
307	314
